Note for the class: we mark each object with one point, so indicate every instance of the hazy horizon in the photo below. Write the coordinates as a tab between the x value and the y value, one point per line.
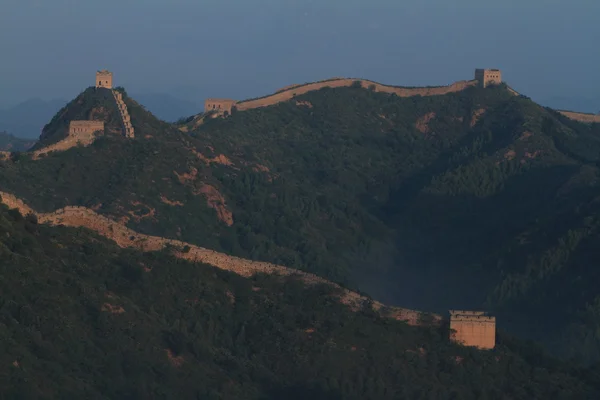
192	50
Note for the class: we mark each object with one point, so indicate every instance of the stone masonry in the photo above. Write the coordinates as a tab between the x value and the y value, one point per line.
581	117
297	90
124	114
104	79
80	133
220	106
473	328
487	77
83	129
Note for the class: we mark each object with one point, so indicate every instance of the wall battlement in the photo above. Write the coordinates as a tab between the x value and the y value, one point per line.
473	328
104	79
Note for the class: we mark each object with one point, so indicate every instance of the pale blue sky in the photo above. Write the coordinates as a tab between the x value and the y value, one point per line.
194	49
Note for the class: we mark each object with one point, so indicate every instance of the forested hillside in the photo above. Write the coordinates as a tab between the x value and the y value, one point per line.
81	318
473	199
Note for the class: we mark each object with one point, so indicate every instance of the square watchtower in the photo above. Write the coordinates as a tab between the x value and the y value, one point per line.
104	79
488	77
473	328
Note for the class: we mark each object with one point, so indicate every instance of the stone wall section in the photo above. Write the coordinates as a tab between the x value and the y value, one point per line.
129	133
124	237
289	94
81	133
581	117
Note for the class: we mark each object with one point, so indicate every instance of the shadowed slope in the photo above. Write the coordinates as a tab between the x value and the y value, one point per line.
125	237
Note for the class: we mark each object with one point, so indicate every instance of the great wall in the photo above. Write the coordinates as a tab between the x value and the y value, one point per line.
581	117
82	217
483	77
296	90
129	133
83	133
224	107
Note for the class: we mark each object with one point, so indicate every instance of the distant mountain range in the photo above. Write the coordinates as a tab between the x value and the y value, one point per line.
26	119
9	142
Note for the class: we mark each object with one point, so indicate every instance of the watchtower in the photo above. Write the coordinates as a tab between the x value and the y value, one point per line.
473	328
85	128
219	105
104	79
488	77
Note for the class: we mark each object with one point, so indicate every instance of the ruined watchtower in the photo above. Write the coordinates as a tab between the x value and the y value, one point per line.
84	129
488	77
104	79
473	328
219	106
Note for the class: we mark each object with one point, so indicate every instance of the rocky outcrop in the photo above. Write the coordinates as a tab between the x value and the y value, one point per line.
125	237
216	201
422	123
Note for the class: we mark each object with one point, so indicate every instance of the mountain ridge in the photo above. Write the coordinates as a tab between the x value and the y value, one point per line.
125	237
82	318
453	186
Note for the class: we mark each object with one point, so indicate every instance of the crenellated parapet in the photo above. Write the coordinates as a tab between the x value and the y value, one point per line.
104	79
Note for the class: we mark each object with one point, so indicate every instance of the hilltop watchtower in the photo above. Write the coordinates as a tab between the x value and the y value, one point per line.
104	79
219	106
473	328
488	77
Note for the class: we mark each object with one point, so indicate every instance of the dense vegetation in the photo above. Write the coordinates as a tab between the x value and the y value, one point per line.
92	104
81	318
468	200
9	142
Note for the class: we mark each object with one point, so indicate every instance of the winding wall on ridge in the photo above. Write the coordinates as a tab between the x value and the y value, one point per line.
73	216
296	90
581	117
